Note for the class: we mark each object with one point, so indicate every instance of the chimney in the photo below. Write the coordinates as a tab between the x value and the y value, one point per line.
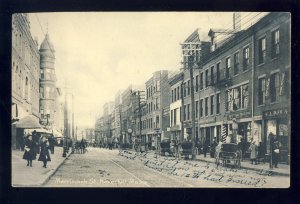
237	21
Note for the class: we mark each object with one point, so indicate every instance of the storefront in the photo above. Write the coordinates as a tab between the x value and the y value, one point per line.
175	132
278	122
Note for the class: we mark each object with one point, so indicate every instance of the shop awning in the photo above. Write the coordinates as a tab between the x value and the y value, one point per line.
28	122
41	130
57	133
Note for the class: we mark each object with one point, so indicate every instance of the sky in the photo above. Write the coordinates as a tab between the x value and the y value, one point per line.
99	53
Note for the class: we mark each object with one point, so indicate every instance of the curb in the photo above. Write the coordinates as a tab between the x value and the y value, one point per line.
254	169
54	171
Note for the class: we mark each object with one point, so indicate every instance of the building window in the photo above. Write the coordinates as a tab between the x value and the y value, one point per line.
206	78
201	81
188	112
218	104
201	108
26	88
237	98
218	72
236	64
189	87
274	87
212	77
211	105
206	106
245	96
175	116
262	50
246	58
227	69
261	91
42	74
178	95
184	89
180	115
42	92
275	43
197	109
171	117
172	95
184	114
197	84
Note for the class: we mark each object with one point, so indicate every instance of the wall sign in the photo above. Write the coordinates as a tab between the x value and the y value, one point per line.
275	113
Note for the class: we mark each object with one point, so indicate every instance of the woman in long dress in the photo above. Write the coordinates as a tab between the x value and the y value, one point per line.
44	154
29	152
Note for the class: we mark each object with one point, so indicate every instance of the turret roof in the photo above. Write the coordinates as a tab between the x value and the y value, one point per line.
46	44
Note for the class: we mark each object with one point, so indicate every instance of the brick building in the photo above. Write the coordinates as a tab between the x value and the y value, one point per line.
156	111
242	85
25	70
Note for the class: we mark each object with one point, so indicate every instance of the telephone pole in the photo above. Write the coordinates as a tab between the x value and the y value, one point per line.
193	136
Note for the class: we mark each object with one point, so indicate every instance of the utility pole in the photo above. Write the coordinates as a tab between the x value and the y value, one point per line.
140	115
120	115
65	127
190	66
72	116
182	111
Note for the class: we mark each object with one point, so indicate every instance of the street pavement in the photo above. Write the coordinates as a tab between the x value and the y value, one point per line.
25	176
114	168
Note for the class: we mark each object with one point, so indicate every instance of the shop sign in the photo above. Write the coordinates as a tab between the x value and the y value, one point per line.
175	128
239	115
188	124
166	111
275	113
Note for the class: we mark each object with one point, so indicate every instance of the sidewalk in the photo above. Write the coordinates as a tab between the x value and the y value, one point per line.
25	176
282	170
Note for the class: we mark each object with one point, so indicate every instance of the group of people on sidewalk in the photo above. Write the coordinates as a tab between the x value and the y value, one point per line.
252	150
32	148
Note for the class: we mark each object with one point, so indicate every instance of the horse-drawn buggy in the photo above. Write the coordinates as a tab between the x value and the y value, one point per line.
228	153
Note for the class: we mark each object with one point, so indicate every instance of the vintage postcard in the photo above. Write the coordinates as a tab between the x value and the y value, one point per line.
151	99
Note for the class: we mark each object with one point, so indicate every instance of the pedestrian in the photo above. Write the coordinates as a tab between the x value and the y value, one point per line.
82	146
29	150
44	154
228	138
51	143
153	144
205	147
213	148
275	150
253	149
